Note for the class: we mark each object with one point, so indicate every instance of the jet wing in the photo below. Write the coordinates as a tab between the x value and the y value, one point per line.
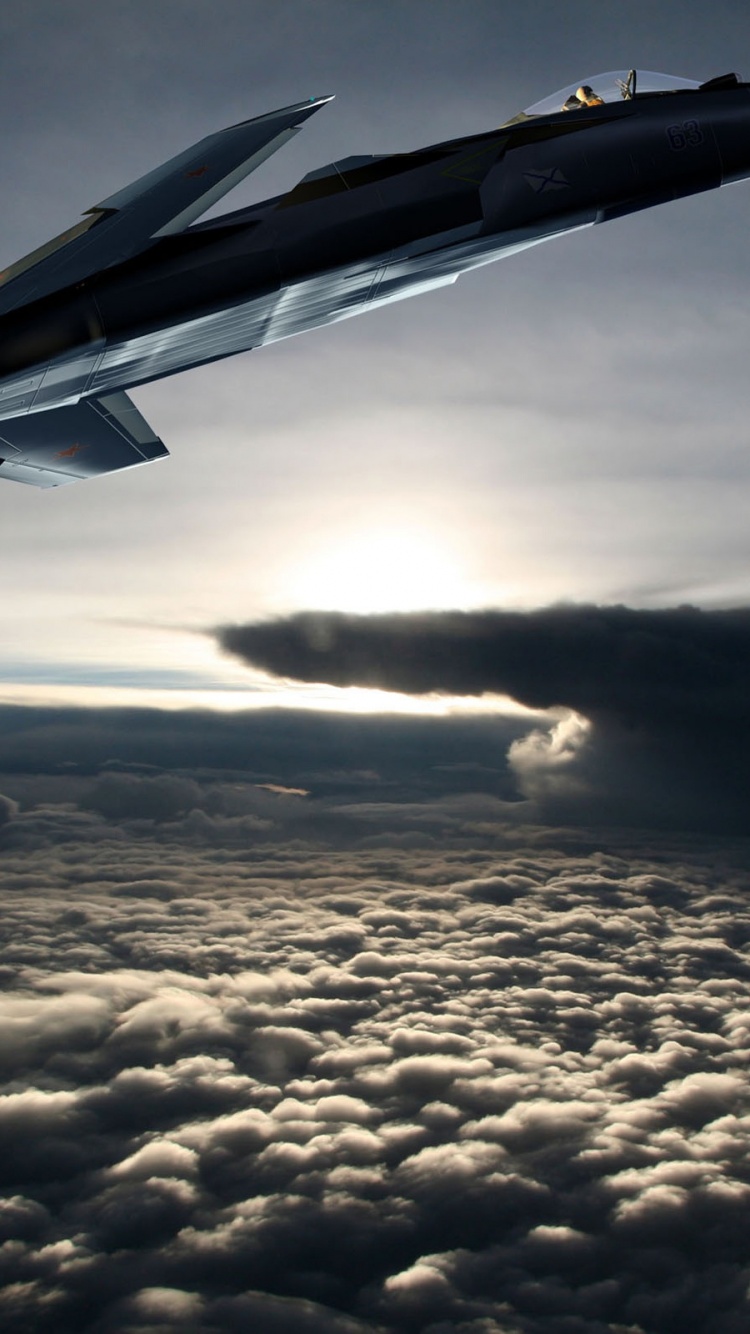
164	201
92	437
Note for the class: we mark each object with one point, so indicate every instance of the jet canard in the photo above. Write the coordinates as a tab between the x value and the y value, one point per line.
141	289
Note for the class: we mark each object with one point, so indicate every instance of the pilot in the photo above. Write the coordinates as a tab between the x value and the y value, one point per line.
587	97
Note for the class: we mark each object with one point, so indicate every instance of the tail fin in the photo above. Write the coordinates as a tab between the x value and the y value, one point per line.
164	201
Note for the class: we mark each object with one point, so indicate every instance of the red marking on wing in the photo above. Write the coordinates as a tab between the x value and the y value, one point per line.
71	452
199	171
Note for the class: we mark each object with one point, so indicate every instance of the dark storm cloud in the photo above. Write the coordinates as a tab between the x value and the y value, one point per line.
374	1092
640	665
663	727
246	778
333	752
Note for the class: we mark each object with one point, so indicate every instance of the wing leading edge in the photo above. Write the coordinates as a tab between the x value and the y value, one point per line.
87	439
164	201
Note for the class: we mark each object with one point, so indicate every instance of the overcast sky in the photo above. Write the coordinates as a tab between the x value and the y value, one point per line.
566	424
316	1019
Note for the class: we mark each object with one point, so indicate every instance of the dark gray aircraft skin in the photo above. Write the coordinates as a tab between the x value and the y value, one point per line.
138	290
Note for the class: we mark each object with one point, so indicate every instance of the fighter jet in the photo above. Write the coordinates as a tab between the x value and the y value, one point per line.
139	289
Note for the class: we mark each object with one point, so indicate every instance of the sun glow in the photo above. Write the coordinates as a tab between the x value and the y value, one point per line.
382	569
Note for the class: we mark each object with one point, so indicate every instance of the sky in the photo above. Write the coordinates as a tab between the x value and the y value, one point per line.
373	771
455	450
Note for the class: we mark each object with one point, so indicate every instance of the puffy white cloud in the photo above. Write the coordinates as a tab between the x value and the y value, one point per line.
368	1091
543	760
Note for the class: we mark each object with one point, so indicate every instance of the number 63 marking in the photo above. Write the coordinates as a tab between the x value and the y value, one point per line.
687	135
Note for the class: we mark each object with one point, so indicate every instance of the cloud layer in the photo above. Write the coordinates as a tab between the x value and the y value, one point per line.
280	1084
663	728
637	664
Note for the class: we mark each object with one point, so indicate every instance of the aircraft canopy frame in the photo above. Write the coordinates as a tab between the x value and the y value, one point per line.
613	86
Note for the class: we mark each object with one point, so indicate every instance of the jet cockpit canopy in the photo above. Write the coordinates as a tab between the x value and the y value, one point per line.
613	86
